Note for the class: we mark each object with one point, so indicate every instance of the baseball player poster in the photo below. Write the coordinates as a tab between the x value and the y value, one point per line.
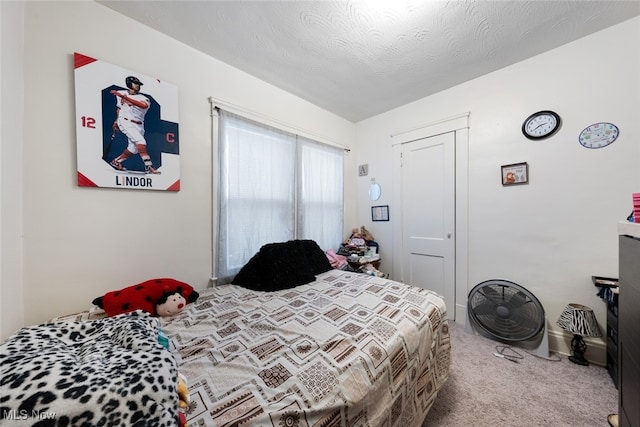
126	128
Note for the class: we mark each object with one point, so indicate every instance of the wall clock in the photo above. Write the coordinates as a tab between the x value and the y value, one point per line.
599	135
541	125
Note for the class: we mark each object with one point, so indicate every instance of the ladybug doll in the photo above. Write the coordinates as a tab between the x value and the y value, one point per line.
160	297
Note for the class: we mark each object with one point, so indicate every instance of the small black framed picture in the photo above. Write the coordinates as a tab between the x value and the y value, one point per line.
380	213
515	173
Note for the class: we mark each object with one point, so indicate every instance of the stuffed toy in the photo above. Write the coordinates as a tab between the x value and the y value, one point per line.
356	239
146	296
182	419
184	399
366	234
183	393
170	303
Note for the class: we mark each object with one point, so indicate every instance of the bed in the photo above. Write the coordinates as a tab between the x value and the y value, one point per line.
344	349
108	371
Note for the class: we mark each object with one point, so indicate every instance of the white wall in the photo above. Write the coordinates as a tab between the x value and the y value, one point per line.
80	242
11	127
556	232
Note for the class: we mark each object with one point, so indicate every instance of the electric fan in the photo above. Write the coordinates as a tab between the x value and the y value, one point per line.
509	313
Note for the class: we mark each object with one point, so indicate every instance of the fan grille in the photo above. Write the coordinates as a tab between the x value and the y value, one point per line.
506	310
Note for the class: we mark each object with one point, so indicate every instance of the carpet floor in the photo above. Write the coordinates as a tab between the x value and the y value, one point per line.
484	390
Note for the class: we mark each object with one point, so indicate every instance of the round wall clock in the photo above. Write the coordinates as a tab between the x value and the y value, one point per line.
541	125
599	135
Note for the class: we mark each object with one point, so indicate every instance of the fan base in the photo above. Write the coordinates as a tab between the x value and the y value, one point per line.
579	360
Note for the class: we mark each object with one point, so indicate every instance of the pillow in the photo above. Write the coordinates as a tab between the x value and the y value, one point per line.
317	259
143	296
284	266
279	266
249	275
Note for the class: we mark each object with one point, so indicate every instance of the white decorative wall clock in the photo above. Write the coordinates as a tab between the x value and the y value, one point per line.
599	135
126	128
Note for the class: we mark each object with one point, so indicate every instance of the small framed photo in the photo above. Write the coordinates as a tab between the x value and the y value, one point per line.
380	213
515	173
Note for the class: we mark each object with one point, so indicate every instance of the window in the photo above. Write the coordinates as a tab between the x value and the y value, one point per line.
274	186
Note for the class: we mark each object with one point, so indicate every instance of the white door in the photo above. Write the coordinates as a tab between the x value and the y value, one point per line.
428	214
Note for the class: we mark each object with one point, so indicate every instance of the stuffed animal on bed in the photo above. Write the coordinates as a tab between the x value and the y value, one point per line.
170	303
184	400
165	293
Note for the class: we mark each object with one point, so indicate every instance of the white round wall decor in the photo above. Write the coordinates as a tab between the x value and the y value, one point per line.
599	135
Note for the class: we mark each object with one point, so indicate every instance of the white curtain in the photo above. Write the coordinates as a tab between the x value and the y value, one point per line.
320	210
274	186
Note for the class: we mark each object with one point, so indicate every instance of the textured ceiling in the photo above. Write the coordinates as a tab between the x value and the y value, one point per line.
361	58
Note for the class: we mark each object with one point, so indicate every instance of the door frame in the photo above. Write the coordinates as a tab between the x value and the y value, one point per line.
460	126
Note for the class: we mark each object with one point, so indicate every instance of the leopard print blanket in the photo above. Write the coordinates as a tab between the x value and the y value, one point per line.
107	372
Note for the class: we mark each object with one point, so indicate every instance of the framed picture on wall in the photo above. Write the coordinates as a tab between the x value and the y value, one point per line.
380	213
126	128
515	173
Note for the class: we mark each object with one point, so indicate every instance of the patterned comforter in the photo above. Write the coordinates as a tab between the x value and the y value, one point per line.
109	371
345	350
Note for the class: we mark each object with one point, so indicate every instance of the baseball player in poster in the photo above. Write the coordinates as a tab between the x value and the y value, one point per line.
131	108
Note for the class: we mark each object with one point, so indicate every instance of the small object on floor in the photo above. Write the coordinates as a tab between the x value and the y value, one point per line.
613	420
508	353
505	357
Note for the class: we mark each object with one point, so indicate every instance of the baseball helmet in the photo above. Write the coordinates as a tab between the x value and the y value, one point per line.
132	79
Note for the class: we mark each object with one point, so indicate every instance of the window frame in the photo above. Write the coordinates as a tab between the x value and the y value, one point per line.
223	269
